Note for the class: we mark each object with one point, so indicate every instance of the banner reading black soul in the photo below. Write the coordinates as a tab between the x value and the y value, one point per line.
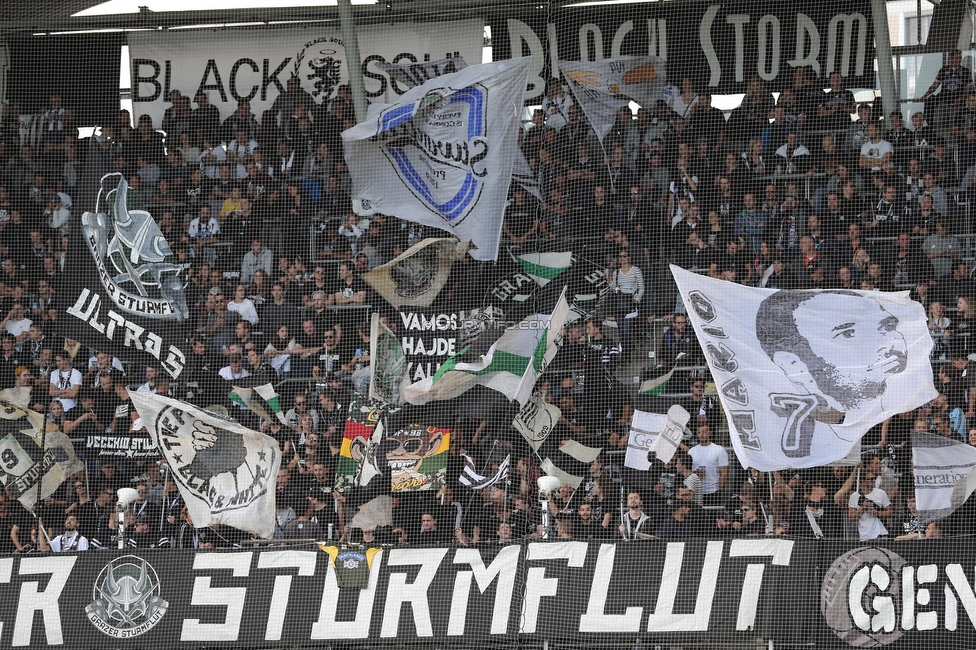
901	595
127	286
721	46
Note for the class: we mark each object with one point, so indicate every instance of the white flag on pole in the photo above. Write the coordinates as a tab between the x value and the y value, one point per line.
225	472
602	87
660	433
802	375
443	155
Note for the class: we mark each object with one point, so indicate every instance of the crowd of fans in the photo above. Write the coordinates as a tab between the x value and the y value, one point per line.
808	190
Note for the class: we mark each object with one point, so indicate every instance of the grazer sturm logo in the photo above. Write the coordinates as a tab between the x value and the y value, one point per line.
126	598
415	275
135	263
871	597
438	147
318	67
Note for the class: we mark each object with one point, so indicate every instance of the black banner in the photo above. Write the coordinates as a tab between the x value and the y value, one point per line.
718	45
130	302
901	595
122	446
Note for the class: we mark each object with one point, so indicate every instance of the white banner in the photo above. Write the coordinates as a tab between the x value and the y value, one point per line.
443	155
225	472
255	64
803	375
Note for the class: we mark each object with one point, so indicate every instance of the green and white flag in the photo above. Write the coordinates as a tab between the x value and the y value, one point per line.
245	397
511	365
655	386
543	267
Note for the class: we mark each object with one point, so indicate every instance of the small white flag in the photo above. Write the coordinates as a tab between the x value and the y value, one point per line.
570	463
657	432
603	87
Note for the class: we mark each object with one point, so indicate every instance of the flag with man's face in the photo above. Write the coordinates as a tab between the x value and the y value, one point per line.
802	375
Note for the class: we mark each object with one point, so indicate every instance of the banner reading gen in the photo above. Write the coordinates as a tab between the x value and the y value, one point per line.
254	66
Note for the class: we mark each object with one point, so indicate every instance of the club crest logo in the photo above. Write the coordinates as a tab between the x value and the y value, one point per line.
319	67
350	560
135	263
126	598
438	147
415	275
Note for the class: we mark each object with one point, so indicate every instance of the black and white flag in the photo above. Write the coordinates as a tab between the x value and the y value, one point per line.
570	463
416	276
537	419
131	302
35	457
472	479
443	155
802	375
225	472
943	473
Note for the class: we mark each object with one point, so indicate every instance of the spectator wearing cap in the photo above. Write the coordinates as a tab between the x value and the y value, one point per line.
23	377
145	535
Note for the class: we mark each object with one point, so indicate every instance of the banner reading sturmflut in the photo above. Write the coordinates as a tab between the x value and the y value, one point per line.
225	472
803	375
443	155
